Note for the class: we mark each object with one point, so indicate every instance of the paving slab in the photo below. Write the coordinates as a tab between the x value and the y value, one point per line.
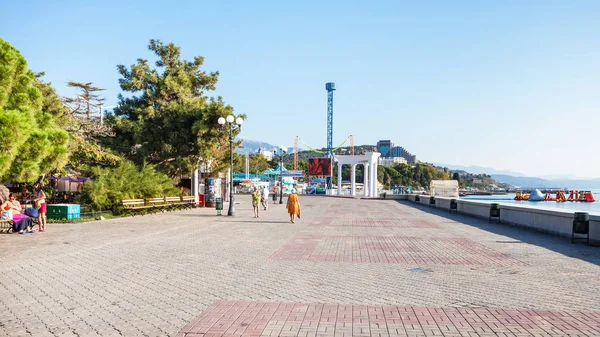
348	267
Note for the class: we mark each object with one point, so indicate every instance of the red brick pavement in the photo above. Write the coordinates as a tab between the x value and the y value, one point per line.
254	319
392	249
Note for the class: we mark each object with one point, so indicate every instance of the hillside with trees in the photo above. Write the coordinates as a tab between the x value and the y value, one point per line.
416	176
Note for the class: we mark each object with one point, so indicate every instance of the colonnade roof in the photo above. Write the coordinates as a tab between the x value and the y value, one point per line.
367	158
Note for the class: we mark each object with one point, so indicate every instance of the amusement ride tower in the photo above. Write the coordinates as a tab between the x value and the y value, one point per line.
330	87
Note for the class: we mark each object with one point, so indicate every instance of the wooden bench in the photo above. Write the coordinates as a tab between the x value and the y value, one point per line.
158	204
174	203
153	205
6	226
134	206
189	201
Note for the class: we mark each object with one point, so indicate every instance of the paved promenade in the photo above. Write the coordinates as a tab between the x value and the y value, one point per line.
347	268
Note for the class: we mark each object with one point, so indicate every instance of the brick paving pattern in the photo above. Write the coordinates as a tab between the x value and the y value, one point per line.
392	249
255	319
348	267
375	222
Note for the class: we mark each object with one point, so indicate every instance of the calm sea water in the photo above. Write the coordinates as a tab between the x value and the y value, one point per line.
590	207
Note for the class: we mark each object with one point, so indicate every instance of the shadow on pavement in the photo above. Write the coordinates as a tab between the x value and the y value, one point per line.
561	245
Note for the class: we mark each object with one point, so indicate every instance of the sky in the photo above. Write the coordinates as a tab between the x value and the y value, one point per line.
507	84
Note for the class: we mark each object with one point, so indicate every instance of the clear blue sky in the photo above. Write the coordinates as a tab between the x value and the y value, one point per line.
510	84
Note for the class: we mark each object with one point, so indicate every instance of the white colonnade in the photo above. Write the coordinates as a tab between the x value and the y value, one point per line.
369	162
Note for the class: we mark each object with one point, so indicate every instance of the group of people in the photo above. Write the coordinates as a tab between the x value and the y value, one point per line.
260	197
22	216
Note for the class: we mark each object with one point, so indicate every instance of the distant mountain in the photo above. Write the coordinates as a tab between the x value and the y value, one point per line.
520	180
252	146
533	182
479	170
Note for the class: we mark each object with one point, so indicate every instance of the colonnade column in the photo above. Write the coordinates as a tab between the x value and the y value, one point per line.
366	186
339	180
374	180
353	180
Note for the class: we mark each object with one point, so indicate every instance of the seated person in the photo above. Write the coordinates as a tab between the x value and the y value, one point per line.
14	211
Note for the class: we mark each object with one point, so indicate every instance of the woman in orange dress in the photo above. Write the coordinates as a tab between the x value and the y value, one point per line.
293	205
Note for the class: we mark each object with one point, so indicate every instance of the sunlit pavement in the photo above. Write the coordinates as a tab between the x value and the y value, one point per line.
348	267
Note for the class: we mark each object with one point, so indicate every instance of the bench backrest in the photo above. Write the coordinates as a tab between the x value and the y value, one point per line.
154	201
172	199
188	198
132	202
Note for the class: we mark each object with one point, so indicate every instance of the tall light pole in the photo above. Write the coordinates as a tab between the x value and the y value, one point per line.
282	151
231	121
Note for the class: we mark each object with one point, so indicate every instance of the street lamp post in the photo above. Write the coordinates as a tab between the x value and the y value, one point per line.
282	151
232	122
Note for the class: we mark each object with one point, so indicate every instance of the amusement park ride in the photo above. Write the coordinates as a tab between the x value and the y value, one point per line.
330	87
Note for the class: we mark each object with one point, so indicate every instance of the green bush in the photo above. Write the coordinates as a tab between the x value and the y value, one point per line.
126	181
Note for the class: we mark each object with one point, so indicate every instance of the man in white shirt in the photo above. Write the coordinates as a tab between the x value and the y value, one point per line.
265	197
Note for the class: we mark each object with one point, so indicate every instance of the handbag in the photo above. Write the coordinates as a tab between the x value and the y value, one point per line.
7	215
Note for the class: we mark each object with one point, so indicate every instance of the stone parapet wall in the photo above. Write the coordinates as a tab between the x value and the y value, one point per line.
555	222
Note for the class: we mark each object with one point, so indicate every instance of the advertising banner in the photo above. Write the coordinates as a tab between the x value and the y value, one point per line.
316	185
319	167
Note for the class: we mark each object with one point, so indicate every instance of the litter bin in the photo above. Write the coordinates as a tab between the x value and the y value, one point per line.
453	206
200	200
432	201
219	205
63	212
495	212
581	225
417	198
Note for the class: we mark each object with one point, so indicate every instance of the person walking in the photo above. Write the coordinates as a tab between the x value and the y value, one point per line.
40	199
265	197
256	200
275	194
293	205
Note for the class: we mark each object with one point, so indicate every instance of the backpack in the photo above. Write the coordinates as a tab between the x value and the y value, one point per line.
32	211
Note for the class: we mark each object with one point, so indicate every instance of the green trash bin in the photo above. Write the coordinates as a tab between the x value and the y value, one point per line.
581	225
63	212
495	212
453	206
219	205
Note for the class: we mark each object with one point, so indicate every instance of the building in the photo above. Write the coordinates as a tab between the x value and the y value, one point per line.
399	151
392	161
267	154
385	148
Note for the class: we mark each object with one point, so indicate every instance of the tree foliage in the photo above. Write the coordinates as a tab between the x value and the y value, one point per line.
167	120
84	148
125	181
416	176
86	100
31	144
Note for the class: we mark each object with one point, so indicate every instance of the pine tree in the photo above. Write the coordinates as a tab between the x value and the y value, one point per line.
168	120
31	144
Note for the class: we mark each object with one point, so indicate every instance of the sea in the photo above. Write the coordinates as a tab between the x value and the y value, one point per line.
576	206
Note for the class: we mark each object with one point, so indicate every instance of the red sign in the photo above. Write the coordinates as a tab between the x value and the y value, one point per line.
319	167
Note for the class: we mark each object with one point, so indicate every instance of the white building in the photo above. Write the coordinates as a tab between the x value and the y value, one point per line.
267	154
391	161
